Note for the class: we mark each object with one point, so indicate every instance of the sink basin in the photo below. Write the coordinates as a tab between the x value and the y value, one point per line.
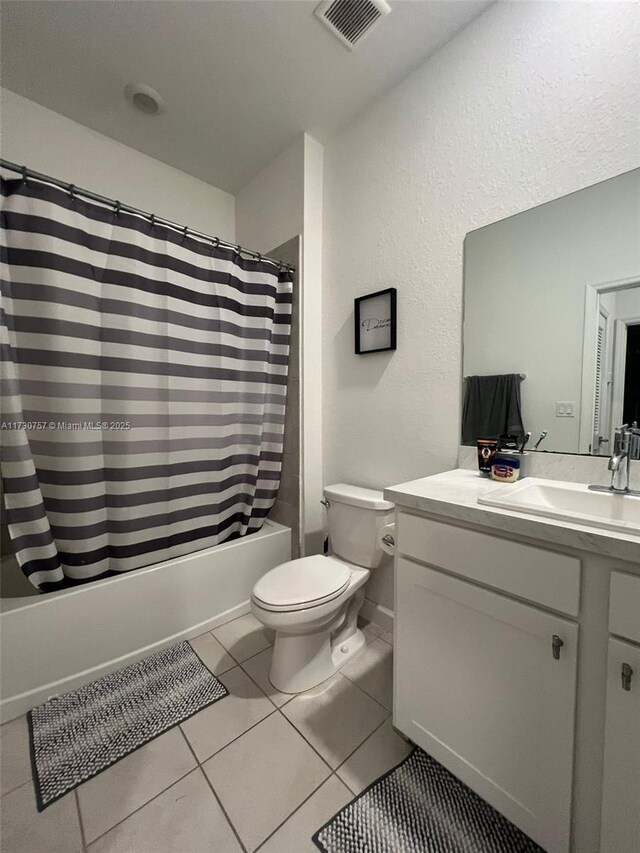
569	502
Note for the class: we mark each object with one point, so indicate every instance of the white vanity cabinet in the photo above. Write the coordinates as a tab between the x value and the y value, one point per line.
513	636
621	782
484	683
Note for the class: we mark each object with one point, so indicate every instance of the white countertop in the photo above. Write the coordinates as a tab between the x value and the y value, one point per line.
454	495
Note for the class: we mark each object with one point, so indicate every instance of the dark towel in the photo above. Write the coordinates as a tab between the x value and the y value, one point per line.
491	407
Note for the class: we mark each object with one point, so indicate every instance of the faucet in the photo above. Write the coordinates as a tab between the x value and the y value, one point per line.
619	462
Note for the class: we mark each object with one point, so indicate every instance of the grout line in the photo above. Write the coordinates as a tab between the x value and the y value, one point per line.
21	785
191	750
135	811
222	808
254	655
80	821
362	690
370	735
237	737
297	730
297	808
277	707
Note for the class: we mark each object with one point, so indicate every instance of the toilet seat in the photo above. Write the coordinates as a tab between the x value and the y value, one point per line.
302	583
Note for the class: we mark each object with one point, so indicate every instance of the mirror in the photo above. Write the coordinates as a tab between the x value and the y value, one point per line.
551	338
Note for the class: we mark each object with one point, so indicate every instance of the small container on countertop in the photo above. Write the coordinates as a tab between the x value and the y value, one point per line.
505	467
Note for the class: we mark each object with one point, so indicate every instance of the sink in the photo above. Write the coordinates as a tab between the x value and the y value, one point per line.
569	502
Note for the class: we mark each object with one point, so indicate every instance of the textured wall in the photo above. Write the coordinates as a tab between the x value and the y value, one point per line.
530	102
269	209
51	143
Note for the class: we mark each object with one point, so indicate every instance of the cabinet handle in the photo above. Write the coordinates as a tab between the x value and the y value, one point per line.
627	672
556	645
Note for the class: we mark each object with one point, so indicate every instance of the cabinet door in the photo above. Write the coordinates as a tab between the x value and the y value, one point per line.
478	687
621	790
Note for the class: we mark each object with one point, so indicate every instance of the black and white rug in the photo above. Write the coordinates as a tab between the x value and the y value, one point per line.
75	736
419	807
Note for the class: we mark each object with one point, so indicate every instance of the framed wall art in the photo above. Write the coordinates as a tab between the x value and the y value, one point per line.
375	321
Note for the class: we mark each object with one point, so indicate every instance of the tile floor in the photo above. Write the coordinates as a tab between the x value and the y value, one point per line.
259	770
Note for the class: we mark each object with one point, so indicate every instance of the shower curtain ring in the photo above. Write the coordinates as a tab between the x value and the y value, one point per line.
116	208
152	220
72	193
216	242
25	176
184	232
258	257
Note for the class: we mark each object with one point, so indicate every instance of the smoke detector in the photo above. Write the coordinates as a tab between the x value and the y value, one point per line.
144	98
352	20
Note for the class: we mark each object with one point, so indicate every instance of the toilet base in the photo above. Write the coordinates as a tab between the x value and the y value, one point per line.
301	661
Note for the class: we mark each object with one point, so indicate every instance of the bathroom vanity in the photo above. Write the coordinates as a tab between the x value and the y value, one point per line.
517	659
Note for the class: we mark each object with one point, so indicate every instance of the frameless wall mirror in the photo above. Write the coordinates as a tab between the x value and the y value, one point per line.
552	315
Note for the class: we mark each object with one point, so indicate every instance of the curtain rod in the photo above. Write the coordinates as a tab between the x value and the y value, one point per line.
157	220
521	375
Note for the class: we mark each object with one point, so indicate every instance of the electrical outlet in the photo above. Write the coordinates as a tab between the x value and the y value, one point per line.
565	409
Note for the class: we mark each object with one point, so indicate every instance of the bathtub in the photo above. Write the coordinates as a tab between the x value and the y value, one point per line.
59	641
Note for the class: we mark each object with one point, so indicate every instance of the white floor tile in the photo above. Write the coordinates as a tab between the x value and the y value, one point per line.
244	637
372	671
258	669
216	726
15	764
214	656
25	830
184	819
134	780
335	718
263	776
376	756
295	835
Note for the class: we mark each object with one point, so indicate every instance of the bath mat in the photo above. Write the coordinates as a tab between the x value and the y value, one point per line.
75	736
419	807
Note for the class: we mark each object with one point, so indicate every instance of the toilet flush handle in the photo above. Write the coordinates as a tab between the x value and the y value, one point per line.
326	503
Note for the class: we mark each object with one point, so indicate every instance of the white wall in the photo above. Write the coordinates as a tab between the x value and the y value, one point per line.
270	209
47	142
525	281
530	102
285	200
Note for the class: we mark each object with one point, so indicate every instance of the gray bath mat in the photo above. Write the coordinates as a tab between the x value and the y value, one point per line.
419	807
75	736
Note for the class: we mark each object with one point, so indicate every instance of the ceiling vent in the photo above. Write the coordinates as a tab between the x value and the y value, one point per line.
352	20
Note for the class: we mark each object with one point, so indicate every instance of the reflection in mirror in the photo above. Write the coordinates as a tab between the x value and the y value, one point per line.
552	322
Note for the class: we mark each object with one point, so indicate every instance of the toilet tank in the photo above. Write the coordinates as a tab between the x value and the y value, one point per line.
355	517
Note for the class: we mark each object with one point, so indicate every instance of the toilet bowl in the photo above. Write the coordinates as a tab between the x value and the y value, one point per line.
312	603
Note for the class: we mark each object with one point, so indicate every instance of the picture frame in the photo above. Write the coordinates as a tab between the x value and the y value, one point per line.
375	316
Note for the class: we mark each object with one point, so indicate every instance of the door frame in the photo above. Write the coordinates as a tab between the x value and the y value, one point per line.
587	396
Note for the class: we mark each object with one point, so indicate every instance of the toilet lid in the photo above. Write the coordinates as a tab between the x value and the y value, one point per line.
308	581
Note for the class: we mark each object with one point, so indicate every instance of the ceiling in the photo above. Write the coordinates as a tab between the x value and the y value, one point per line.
240	78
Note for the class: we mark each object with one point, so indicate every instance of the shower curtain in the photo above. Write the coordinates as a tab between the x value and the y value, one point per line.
143	387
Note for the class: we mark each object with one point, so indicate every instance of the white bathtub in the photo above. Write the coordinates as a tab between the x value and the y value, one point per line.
56	642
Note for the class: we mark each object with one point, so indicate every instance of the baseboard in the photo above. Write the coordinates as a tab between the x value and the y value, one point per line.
379	615
15	706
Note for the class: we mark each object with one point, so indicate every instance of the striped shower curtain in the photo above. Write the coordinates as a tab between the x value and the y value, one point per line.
143	387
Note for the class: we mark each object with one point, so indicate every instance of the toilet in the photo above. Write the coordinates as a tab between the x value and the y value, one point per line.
312	603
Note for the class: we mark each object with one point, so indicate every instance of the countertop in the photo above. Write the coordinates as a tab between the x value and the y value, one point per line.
454	494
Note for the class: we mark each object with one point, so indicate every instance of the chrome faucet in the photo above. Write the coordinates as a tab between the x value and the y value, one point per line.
619	462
